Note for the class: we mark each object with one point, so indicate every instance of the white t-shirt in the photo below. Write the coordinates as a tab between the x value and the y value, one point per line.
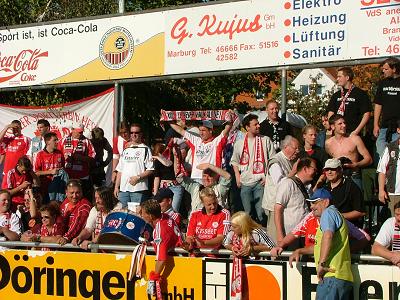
91	220
293	202
383	162
134	161
12	222
388	233
210	152
246	171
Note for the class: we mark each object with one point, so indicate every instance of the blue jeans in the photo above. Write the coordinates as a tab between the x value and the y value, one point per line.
138	197
253	195
331	288
178	194
381	141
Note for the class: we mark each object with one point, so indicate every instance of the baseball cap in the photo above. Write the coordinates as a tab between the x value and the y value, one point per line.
79	128
332	163
320	194
163	193
208	124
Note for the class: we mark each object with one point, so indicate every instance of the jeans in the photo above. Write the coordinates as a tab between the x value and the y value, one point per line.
381	141
178	194
253	195
331	288
125	197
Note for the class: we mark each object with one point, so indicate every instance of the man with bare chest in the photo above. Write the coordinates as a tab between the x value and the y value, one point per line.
341	146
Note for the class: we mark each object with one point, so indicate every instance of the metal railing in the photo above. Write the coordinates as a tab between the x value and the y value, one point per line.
93	247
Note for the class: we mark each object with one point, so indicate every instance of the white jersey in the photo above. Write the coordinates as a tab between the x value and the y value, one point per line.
209	152
134	161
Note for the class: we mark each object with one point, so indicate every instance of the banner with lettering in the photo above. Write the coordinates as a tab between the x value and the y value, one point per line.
203	38
41	275
95	111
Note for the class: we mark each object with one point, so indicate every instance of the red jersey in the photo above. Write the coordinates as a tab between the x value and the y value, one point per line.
207	227
47	161
14	179
174	216
76	169
166	235
307	228
74	217
15	148
119	144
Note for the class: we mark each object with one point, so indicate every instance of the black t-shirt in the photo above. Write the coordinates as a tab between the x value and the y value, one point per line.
388	95
165	173
347	197
283	129
320	157
357	104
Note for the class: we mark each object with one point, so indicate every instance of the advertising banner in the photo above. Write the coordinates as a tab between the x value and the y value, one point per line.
78	275
95	111
208	38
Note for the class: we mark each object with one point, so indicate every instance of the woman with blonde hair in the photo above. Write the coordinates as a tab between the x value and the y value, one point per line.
246	238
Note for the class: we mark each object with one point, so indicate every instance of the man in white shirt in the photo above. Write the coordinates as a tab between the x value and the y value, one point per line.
249	161
281	165
387	242
389	174
134	167
290	206
205	148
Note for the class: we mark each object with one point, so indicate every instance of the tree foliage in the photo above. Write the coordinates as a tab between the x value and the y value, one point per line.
143	101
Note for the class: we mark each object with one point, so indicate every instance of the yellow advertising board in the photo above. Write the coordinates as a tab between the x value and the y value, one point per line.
78	275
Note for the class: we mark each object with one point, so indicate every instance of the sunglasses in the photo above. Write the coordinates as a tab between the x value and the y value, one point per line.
136	132
45	217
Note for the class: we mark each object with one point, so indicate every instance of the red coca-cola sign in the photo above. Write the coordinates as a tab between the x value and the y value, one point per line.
25	62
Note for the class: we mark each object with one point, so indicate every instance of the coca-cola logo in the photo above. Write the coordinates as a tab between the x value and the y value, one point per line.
210	25
26	61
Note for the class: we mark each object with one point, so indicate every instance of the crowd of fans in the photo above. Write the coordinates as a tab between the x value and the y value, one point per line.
277	185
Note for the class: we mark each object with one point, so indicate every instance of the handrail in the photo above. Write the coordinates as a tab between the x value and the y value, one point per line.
129	248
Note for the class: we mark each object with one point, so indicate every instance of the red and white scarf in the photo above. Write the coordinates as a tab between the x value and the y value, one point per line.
344	97
99	223
259	159
237	272
137	261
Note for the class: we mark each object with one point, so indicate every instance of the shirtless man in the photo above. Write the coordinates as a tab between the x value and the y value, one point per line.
351	147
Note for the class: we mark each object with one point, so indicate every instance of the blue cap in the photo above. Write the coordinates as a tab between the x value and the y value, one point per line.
320	194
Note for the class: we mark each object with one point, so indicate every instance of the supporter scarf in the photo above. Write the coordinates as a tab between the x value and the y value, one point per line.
158	290
259	159
137	261
237	273
344	97
198	115
99	223
69	146
167	154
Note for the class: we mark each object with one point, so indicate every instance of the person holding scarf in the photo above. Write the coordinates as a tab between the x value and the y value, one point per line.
249	161
246	239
